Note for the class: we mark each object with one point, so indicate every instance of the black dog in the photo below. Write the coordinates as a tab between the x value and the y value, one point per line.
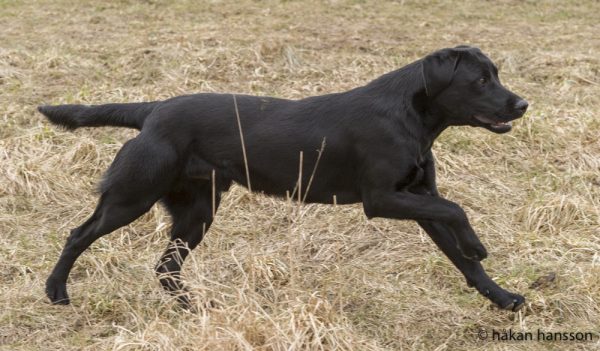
377	150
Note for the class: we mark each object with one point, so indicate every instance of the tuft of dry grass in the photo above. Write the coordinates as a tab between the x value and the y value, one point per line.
285	276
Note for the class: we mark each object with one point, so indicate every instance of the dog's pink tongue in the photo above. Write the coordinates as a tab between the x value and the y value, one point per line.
485	119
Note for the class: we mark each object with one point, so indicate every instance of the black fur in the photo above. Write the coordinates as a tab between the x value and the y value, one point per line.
119	115
372	145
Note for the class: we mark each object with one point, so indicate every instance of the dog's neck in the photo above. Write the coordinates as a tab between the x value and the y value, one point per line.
401	95
432	127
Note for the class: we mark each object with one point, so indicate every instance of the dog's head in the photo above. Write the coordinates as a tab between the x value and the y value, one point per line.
462	84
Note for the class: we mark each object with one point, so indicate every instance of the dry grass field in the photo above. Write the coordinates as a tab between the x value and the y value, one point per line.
282	275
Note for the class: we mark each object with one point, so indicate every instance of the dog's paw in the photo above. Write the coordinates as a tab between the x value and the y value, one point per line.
474	252
512	302
185	303
502	298
57	292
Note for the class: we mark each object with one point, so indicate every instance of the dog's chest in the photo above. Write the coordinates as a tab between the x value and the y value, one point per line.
414	179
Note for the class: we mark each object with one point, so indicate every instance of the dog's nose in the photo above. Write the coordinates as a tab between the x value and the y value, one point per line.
521	105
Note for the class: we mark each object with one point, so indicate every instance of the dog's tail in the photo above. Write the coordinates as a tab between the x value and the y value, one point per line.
131	115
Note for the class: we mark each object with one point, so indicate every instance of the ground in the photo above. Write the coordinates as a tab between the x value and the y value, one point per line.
285	276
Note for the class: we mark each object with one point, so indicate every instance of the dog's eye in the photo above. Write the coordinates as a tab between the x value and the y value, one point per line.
483	80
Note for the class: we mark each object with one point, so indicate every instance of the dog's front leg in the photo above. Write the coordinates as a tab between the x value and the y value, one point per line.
472	270
406	205
446	241
429	184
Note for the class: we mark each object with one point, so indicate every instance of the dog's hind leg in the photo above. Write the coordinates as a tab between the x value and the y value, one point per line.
191	207
130	190
472	270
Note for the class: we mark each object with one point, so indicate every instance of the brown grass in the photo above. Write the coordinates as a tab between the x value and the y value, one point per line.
286	276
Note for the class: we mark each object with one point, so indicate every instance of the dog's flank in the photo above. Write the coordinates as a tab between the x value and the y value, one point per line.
379	137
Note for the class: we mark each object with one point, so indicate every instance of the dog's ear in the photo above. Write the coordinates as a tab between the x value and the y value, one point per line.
439	68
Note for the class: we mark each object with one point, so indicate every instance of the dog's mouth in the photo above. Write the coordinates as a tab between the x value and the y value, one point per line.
493	124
